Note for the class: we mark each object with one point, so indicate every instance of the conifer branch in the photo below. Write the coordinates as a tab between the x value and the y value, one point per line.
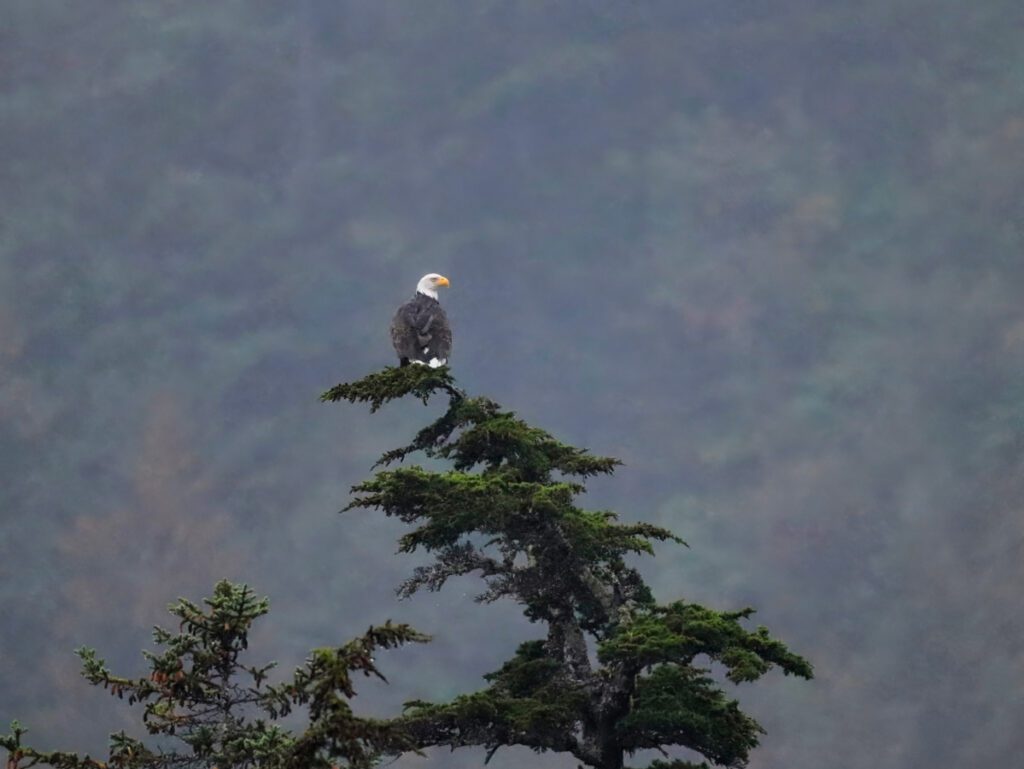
395	382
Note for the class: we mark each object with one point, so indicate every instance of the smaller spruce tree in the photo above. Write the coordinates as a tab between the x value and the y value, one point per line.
200	692
616	672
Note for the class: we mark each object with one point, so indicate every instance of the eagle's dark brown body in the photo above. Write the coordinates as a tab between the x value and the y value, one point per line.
420	332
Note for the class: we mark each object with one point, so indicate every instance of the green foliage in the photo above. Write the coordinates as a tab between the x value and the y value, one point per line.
325	686
679	632
201	692
19	755
680	705
514	497
475	431
391	383
675	764
530	701
507	512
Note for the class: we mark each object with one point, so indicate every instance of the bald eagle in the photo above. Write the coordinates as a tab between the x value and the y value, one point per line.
419	330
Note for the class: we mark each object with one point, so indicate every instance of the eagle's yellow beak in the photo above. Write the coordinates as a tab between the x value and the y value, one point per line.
442	281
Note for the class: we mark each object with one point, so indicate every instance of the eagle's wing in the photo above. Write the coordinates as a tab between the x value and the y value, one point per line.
431	326
425	322
420	332
403	333
440	344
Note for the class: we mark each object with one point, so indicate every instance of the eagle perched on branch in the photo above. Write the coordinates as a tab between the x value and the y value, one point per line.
419	330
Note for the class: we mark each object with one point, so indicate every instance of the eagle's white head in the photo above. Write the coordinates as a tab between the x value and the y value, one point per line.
430	283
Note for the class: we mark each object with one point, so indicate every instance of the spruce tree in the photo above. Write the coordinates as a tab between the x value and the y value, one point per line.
201	692
615	671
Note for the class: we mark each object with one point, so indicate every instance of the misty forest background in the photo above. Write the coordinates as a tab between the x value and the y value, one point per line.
769	254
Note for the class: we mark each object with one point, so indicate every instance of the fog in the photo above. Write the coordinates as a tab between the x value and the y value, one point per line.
768	254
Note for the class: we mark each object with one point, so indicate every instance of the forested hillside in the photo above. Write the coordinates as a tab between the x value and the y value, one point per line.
769	254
